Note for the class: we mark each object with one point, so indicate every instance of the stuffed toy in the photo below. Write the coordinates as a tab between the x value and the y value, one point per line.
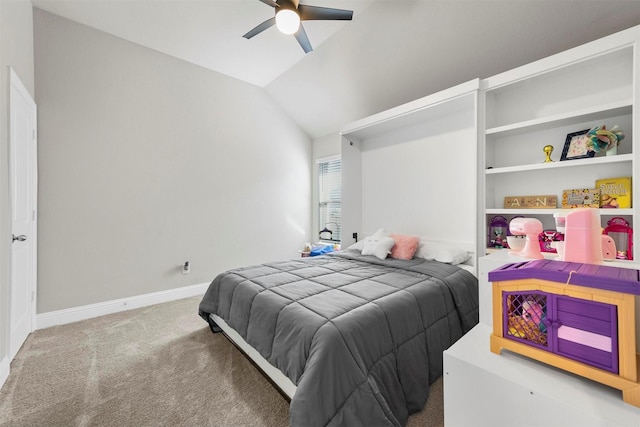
534	312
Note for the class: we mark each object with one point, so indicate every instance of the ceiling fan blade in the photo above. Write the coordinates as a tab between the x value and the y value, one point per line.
260	28
301	36
308	13
270	3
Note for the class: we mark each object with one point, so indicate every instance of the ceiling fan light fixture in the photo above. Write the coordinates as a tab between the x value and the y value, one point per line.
287	21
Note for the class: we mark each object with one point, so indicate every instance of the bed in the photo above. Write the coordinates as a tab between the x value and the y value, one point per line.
351	339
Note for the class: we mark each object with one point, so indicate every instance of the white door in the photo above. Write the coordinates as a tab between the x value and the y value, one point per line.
23	180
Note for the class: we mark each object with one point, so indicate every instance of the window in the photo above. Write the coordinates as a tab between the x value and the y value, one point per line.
330	198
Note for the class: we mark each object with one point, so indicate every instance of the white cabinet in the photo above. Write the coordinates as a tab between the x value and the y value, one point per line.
540	104
486	389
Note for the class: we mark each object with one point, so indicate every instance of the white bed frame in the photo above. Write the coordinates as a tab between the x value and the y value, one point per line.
281	381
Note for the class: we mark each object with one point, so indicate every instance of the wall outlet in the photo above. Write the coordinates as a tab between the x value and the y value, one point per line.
186	268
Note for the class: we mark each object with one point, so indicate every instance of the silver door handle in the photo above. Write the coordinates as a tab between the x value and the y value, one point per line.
20	238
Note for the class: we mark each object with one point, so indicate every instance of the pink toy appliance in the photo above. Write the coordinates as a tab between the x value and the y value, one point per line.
583	239
531	228
619	231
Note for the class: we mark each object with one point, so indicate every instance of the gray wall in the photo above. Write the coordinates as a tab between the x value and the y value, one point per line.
146	161
16	51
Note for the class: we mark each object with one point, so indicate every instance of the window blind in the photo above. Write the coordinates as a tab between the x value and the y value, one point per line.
330	198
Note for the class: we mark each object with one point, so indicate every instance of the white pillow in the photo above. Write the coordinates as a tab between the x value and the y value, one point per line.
452	255
360	245
379	247
427	252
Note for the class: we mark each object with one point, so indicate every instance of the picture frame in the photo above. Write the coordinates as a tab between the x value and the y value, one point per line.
575	146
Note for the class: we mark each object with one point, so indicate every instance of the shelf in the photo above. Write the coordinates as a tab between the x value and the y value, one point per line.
551	211
564	164
587	114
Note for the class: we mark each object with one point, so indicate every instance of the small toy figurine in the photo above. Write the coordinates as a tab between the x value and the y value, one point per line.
548	149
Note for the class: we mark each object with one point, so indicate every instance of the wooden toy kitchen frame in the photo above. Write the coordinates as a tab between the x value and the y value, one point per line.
577	317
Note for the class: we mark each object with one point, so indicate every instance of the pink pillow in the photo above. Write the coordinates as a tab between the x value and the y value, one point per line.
405	247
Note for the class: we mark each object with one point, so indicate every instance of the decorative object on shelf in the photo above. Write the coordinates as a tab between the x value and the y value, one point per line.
615	192
548	149
584	198
603	139
497	232
546	239
531	202
622	234
531	228
576	146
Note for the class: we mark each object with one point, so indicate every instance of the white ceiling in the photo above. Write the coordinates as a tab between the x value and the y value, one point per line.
394	51
205	32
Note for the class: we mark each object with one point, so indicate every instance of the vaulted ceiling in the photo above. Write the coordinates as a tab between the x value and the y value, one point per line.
392	52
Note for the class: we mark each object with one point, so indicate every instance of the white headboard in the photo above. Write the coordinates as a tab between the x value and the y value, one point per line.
413	170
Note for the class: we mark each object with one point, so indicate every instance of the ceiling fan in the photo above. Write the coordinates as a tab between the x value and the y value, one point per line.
288	15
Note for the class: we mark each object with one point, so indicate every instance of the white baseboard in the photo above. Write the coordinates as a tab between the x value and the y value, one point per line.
5	364
74	314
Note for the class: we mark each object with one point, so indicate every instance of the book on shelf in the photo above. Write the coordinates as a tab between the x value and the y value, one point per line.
615	192
581	198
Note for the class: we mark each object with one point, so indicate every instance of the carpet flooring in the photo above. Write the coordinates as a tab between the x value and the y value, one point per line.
153	366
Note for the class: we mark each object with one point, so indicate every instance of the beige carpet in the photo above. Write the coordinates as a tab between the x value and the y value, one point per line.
154	366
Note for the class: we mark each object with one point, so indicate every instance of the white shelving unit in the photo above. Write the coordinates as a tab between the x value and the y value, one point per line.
541	103
523	110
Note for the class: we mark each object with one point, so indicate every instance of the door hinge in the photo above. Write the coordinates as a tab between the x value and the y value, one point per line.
33	296
33	215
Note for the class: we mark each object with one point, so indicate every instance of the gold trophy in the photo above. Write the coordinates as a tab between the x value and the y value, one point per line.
548	149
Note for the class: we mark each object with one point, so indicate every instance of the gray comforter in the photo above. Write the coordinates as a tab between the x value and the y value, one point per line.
361	338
